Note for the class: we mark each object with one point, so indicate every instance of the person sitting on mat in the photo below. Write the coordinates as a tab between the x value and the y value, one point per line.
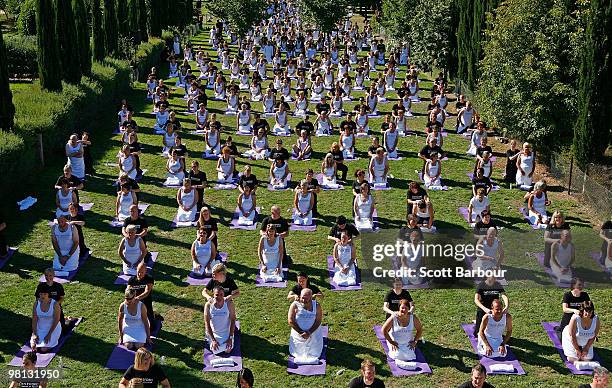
143	284
220	322
491	338
279	172
247	204
134	329
368	377
303	281
203	254
580	334
364	207
63	198
46	327
600	378
402	331
379	167
487	291
132	250
56	292
306	339
176	168
572	300
220	277
562	257
477	379
65	241
28	365
344	255
270	252
302	148
478	205
537	203
245	379
303	203
493	252
225	166
187	199
144	369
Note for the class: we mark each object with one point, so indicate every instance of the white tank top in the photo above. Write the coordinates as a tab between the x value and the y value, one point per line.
400	124
301	104
203	251
174	165
305	318
564	254
46	315
187	198
64	200
279	172
125	201
220	320
233	100
582	335
247	202
364	206
526	162
260	143
131	252
303	201
495	329
162	117
213	137
379	167
73	149
433	169
347	142
281	118
487	167
170	139
467	116
361	119
127	163
490	250
402	334
423	213
64	238
539	204
244	117
344	253
390	138
225	166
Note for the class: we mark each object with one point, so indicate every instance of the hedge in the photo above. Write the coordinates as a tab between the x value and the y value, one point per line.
21	54
148	55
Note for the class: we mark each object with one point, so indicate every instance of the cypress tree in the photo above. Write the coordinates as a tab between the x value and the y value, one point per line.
82	30
132	19
68	42
153	18
99	50
122	18
7	109
49	68
464	10
111	39
593	126
188	12
142	19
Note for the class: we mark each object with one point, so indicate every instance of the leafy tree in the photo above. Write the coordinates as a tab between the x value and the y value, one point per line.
142	20
154	18
325	14
240	14
431	34
82	34
397	18
111	38
26	19
7	109
49	67
122	18
69	46
593	130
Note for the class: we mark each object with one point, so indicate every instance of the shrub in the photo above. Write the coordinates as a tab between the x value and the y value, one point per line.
26	21
148	55
21	54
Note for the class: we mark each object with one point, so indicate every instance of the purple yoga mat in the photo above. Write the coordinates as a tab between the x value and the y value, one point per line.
8	256
464	212
122	279
142	207
71	274
285	189
122	358
234	355
234	224
495	187
422	365
332	283
203	280
312	370
44	359
304	228
175	223
260	283
510	358
549	327
320	179
443	188
525	214
553	278
594	255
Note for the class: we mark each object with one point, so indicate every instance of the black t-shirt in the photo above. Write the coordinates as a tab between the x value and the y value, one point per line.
481	228
56	290
282	154
297	289
394	300
573	303
250	181
468	384
352	231
460	105
198	179
322	107
338	156
210	226
481	150
233	149
351	124
281	224
358	382
74	181
181	150
428	150
134	147
79	228
306	126
372	149
150	378
312	185
484	183
489	293
140	223
357	185
261	124
131	182
406	231
419	195
229	285
140	285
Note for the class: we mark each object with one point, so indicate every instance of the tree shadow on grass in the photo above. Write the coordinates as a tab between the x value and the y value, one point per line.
531	353
444	357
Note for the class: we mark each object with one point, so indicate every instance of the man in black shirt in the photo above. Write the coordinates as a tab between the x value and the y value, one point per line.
180	148
341	226
339	158
477	380
163	101
143	283
247	179
198	181
368	377
323	106
395	296
279	152
220	277
414	195
431	147
281	224
481	182
350	122
260	123
303	282
305	125
210	224
486	292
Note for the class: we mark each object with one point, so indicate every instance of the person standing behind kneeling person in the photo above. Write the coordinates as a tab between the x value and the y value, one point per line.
144	370
306	339
142	283
368	377
578	337
220	320
399	331
491	338
220	277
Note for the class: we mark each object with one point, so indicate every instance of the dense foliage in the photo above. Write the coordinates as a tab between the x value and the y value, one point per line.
7	109
49	65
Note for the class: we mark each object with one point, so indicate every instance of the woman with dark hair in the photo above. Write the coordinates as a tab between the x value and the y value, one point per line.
578	336
245	379
572	300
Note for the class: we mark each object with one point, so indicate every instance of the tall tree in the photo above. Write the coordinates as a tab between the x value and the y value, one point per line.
111	38
7	109
133	13
99	48
153	18
323	13
593	130
142	20
49	67
240	14
122	18
69	46
82	31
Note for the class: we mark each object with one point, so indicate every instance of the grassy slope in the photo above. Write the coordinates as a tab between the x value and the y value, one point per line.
262	312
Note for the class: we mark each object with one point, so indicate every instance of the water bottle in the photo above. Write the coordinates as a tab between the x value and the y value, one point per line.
162	360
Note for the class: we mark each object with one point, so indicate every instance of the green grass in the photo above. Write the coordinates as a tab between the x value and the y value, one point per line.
262	312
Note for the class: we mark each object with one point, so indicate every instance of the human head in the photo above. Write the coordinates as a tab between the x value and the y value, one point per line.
275	211
577	284
587	309
131	230
601	377
479	375
368	371
49	275
219	272
129	294
29	360
219	293
143	359
306	295
245	379
302	279
141	270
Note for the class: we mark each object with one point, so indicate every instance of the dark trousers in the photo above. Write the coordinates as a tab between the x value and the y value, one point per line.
342	168
479	315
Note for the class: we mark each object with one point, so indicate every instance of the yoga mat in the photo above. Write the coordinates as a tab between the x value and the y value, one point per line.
243	134
225	186
332	283
469	260
464	212
320	179
553	278
183	224
302	160
139	176
44	359
495	187
142	207
234	355
83	207
509	359
270	188
206	156
71	274
260	283
549	327
311	370
422	365
122	279
9	254
303	228
594	255
174	186
122	358
203	280
434	188
234	223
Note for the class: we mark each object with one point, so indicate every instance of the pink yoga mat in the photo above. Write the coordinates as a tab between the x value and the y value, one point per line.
311	370
510	358
422	365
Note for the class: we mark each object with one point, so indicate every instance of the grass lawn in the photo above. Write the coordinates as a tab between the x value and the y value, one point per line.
262	311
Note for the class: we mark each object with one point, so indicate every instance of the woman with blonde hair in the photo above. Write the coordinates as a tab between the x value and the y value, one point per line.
144	370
